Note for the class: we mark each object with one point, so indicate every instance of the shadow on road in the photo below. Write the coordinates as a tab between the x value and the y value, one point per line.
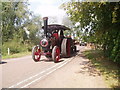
50	60
3	62
60	61
107	68
87	67
81	55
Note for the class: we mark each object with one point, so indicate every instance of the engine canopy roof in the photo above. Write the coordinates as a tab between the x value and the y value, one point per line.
56	27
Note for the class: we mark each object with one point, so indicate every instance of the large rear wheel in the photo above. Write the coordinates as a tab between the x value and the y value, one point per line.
56	54
66	47
36	53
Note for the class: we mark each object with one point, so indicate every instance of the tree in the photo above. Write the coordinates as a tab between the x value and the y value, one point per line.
101	20
19	25
34	28
14	15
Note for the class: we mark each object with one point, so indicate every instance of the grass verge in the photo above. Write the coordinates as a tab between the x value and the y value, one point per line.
108	69
16	55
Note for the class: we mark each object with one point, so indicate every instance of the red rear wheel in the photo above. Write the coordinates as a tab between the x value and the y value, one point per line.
36	53
56	54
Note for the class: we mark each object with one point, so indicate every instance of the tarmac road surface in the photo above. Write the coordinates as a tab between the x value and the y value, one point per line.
74	72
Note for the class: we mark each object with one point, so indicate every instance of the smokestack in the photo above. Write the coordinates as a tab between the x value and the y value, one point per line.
45	19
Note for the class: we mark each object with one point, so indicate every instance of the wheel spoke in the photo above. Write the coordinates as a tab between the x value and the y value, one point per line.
57	58
57	54
37	57
36	53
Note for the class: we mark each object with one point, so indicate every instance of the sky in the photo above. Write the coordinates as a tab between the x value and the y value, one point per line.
48	8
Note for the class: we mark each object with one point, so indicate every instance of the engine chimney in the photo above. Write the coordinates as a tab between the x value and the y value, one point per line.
45	19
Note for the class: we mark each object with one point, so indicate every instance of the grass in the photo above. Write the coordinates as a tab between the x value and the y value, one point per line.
108	69
16	55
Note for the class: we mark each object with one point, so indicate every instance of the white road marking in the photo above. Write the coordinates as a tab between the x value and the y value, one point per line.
62	64
33	76
40	73
45	74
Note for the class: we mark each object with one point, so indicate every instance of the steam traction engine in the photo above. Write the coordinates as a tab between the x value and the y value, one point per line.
54	45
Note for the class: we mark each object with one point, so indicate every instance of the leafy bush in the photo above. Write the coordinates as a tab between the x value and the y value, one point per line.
14	46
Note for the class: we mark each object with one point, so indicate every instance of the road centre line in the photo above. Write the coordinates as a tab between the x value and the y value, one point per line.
45	74
33	76
61	64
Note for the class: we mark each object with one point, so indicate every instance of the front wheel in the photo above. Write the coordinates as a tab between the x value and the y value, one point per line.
36	53
56	54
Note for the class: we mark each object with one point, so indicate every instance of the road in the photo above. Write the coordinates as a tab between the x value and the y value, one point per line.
74	72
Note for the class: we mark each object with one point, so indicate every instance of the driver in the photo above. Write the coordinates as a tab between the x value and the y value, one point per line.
55	34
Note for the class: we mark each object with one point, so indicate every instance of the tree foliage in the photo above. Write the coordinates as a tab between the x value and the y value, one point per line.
19	25
101	22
